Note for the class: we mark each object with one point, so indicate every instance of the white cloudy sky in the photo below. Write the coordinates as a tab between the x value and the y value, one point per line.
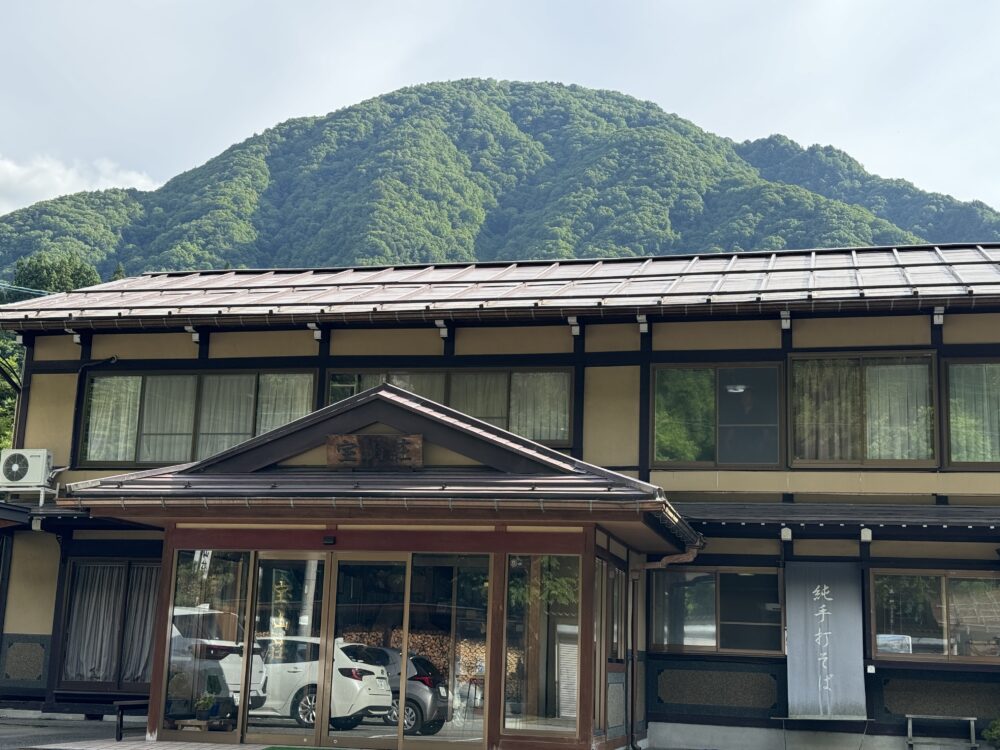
131	92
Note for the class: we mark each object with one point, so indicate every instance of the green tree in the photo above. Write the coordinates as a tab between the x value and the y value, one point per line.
55	271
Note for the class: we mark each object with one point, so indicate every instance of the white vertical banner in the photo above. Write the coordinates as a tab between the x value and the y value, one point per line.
823	616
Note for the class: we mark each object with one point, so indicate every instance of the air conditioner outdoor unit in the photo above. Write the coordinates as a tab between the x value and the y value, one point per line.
25	467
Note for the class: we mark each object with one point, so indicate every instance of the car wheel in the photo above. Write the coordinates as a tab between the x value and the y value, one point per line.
304	707
392	717
431	727
413	718
347	723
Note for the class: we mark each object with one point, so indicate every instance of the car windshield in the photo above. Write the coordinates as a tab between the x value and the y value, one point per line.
366	655
209	626
425	668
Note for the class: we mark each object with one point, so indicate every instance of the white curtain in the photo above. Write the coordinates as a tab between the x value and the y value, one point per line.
94	625
974	412
113	418
227	411
539	405
899	412
281	398
140	617
483	395
167	418
826	404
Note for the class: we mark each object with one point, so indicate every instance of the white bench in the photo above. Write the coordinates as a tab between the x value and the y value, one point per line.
911	740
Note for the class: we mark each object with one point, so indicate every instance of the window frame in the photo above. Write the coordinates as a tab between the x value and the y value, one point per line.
861	355
944	575
715	367
66	596
447	372
80	440
716	571
946	459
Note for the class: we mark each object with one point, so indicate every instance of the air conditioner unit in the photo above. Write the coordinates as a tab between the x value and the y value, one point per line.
25	467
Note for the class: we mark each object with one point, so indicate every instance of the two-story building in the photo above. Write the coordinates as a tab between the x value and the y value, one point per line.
684	501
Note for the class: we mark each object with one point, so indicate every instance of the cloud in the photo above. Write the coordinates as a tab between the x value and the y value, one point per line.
42	177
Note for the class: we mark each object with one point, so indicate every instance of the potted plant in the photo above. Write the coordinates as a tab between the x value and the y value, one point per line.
203	706
992	733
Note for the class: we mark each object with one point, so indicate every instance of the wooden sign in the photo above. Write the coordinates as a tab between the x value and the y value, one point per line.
375	452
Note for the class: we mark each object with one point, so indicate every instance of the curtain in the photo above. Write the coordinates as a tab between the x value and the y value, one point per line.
898	409
94	625
827	409
482	395
974	412
227	411
140	617
281	398
539	405
167	418
113	418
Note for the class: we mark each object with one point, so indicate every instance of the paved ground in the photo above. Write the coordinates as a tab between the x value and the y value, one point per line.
18	733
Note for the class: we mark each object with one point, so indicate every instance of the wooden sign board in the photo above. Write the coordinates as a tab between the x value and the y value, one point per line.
345	452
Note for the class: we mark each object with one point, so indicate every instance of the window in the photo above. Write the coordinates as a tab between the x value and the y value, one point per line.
161	419
862	409
717	610
717	415
535	404
954	616
109	625
974	412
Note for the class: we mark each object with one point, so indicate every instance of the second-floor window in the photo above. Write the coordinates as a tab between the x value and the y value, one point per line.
862	409
162	419
531	403
974	412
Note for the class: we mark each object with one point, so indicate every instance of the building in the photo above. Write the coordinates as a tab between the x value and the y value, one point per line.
689	501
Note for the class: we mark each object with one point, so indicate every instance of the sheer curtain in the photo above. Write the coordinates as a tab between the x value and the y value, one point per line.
539	405
281	398
94	625
899	410
167	418
483	395
826	404
974	412
113	418
227	412
140	617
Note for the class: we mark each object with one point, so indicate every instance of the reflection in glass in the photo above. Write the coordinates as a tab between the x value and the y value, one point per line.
205	666
974	617
368	637
750	612
684	427
909	616
287	630
542	649
446	674
683	609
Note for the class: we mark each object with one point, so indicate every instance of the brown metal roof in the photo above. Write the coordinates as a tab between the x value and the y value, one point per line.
867	277
835	515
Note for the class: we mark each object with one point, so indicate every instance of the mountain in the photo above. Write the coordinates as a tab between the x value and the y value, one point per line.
483	169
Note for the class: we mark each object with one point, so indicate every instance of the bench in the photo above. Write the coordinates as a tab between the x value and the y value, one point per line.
911	740
121	707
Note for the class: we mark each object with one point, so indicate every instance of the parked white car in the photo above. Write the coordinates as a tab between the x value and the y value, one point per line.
360	682
207	634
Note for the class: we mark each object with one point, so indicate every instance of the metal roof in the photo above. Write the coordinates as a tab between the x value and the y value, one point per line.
841	278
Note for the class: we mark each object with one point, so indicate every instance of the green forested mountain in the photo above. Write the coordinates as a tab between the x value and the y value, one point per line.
481	169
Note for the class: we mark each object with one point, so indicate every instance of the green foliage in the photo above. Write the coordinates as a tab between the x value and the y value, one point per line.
483	169
992	733
684	424
55	271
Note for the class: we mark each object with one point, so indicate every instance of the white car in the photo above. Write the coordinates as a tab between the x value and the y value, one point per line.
200	633
360	682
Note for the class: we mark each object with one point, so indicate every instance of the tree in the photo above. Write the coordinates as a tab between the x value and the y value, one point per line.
55	271
119	273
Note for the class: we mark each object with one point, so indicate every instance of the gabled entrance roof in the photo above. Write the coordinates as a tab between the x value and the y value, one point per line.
511	472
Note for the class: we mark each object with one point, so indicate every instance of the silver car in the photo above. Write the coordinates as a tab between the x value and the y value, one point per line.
426	709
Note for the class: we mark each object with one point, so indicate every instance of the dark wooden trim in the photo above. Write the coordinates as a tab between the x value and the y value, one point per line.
160	631
448	342
322	372
86	346
588	666
645	404
24	397
56	644
6	553
496	671
579	392
204	344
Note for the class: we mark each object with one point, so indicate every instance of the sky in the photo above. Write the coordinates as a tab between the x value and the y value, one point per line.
108	93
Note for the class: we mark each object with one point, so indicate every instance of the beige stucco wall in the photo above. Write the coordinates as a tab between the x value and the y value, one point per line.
611	416
132	535
826	547
614	337
31	595
740	334
934	550
386	341
971	328
56	347
144	346
263	344
514	340
50	415
727	546
902	330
